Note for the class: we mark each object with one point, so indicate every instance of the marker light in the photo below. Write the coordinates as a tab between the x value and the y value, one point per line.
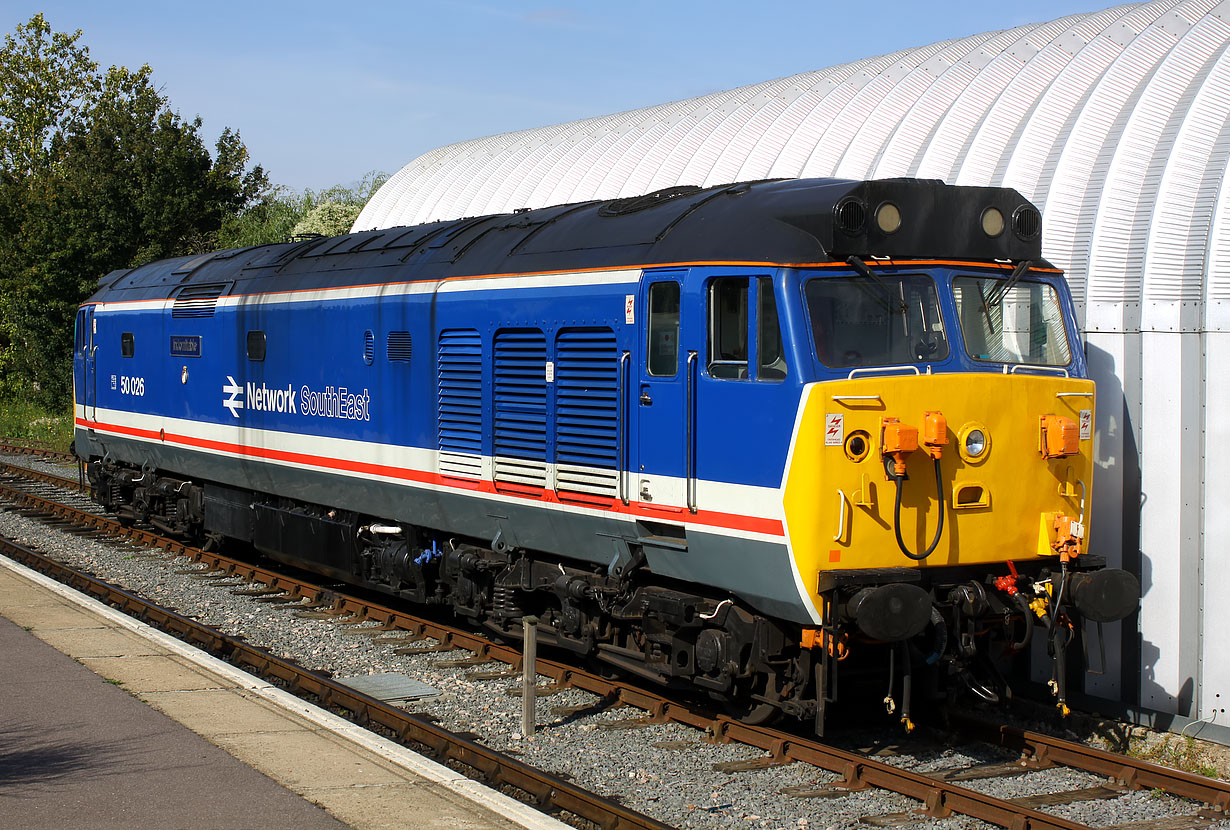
888	217
975	443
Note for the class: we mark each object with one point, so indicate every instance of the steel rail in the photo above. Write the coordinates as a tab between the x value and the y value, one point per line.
940	798
544	789
13	446
1128	772
43	477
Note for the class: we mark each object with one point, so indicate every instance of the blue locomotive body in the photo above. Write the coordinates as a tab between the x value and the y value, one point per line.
436	407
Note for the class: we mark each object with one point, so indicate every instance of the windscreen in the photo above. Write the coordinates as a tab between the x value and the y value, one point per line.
1011	322
886	321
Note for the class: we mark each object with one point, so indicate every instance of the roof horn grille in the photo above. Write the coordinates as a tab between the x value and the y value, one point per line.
198	300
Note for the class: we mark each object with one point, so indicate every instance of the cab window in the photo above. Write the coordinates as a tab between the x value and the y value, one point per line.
890	321
1004	321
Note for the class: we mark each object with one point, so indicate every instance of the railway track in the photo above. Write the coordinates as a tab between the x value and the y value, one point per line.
938	794
545	790
39	449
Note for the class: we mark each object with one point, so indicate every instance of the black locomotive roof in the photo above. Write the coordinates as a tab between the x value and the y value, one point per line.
786	222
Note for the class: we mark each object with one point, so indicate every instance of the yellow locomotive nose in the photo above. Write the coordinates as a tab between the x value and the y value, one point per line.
1014	488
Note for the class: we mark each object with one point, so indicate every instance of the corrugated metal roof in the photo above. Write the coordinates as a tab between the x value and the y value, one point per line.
1116	123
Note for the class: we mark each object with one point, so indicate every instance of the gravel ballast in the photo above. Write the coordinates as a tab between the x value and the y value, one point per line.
664	770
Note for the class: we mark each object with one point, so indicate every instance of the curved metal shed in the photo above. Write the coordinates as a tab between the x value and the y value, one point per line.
1117	125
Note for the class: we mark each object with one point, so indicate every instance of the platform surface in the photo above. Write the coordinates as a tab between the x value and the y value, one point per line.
105	723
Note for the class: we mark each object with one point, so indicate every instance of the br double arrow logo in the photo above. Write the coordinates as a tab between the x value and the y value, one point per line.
234	403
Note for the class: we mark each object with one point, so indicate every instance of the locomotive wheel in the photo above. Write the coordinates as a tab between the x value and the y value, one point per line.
751	712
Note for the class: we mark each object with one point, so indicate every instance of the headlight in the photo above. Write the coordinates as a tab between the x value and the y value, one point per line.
992	221
888	217
973	442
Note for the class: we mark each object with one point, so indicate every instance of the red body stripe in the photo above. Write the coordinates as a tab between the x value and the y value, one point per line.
711	518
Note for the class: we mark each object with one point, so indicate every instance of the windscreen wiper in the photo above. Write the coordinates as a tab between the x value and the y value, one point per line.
885	297
1017	272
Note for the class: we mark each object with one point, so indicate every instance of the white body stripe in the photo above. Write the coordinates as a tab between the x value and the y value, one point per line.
713	496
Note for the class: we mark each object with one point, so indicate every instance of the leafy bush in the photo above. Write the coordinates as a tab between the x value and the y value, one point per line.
328	219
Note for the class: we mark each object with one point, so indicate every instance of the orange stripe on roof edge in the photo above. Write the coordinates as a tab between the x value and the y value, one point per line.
696	264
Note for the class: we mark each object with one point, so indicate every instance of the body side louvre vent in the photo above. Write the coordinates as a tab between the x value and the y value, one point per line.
397	346
520	411
459	390
587	415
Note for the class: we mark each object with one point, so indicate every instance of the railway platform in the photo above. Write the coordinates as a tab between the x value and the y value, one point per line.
108	723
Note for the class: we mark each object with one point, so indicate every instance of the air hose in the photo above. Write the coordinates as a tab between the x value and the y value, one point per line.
1057	639
1054	620
1023	606
939	530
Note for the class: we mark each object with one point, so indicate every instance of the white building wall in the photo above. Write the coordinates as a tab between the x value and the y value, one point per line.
1117	124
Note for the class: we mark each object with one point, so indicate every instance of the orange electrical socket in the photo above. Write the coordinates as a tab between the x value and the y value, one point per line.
1069	533
898	440
934	433
1059	437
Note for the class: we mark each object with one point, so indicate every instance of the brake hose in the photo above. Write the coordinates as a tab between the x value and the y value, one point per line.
1054	621
939	492
1023	606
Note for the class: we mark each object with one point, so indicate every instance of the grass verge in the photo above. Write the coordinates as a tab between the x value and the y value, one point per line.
29	422
1177	751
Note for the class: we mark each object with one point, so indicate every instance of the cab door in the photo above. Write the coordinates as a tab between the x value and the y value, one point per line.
660	480
87	337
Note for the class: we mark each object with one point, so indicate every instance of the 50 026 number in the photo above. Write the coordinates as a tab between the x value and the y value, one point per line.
132	386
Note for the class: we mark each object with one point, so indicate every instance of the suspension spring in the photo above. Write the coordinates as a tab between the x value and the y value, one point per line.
504	602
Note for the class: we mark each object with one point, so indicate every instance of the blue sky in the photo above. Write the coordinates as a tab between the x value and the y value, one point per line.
324	92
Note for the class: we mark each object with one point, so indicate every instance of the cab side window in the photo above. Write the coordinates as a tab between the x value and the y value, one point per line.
728	325
745	337
83	336
770	355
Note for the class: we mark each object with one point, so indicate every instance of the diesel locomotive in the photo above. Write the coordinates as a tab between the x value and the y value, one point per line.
769	441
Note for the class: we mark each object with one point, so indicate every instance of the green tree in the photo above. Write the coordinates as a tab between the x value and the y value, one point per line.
270	219
281	213
47	82
97	172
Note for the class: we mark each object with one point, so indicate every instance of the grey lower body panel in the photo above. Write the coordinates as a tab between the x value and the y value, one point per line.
758	572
